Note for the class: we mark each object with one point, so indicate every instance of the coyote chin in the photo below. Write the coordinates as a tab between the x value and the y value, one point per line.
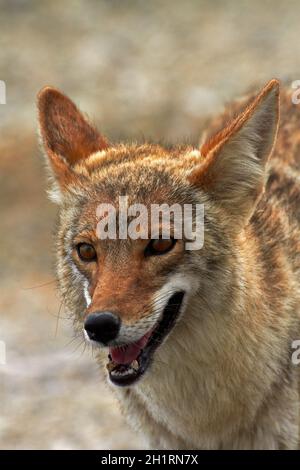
197	345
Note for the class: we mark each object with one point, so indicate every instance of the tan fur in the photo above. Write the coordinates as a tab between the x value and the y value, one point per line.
223	378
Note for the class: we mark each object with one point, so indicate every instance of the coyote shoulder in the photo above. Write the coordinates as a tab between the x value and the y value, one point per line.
198	344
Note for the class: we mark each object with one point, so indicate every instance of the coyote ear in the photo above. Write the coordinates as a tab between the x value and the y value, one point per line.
233	169
67	135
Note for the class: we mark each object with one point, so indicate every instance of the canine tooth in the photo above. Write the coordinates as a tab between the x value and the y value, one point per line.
135	364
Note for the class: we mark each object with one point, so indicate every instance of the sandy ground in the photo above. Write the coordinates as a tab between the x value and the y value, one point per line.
157	69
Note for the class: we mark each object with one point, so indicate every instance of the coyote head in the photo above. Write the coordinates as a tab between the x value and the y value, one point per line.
130	294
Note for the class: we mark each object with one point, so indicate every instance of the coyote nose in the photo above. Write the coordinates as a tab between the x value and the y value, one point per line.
102	326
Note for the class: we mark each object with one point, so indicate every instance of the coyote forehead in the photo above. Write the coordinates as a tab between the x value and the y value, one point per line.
142	172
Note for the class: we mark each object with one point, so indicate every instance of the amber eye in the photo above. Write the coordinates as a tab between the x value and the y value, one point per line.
86	252
159	246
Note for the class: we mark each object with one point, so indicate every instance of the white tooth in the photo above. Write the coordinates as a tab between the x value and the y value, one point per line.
135	364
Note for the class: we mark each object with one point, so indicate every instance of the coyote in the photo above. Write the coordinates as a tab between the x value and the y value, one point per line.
197	345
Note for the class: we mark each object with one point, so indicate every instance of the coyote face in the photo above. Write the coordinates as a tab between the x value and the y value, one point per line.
126	294
139	299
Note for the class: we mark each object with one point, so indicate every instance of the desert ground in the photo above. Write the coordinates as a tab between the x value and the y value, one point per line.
156	70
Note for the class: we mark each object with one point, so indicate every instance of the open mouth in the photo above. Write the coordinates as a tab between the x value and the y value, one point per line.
129	362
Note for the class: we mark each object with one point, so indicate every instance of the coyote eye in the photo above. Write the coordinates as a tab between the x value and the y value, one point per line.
86	252
159	246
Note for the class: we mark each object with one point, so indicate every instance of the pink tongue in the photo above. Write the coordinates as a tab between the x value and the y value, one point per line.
127	354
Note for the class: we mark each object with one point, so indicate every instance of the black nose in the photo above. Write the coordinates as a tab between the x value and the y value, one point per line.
102	326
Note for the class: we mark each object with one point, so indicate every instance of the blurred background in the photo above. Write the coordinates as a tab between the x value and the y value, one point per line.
156	69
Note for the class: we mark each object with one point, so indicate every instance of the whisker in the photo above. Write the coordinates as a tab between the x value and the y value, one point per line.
39	285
